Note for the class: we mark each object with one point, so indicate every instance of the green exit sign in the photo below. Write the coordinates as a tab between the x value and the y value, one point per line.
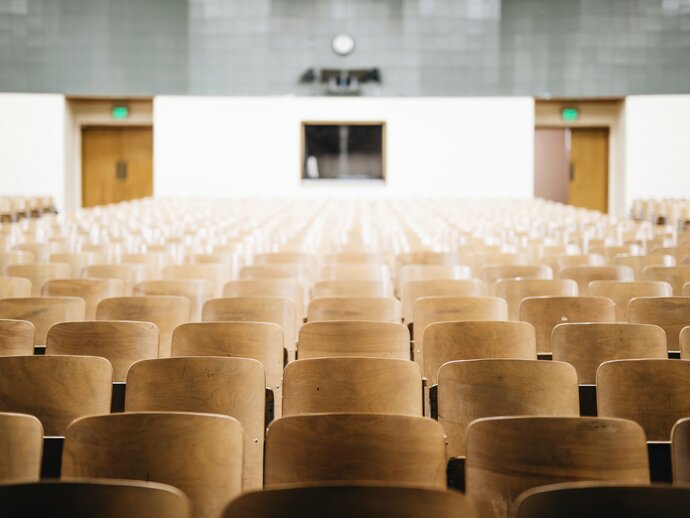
570	114
120	112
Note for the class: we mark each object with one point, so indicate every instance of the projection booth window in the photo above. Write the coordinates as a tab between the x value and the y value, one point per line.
343	151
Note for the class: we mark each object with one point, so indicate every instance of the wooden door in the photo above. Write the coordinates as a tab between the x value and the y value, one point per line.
117	164
589	168
551	164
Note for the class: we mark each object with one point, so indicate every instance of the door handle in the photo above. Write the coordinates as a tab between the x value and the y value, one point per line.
121	170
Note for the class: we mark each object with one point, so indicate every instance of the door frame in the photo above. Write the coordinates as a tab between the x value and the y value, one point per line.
97	111
599	113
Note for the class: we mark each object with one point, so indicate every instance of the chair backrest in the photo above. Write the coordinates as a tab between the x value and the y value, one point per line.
201	454
472	389
302	258
415	290
583	275
544	313
559	261
21	449
288	288
197	291
355	272
293	271
425	257
587	345
216	273
129	274
39	273
603	500
508	455
429	310
16	337
676	276
639	262
622	292
94	497
350	385
262	341
353	338
380	309
43	312
661	391
353	257
686	289
680	451
678	252
352	288
393	449
338	501
684	343
91	290
671	314
430	272
77	260
55	389
514	291
166	311
276	310
476	340
491	273
120	342
14	257
14	287
230	386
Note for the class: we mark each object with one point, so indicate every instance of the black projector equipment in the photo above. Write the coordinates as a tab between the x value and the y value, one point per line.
341	81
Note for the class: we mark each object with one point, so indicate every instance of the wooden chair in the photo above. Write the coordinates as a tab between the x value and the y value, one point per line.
514	291
120	342
353	338
55	389
353	257
680	451
425	257
661	391
197	291
676	276
15	257
639	262
622	292
277	310
678	252
545	313
166	311
671	314
77	260
301	258
508	455
686	289
379	309
261	341
560	261
429	310
293	271
21	449
475	340
94	497
684	343
216	273
348	385
91	290
345	448
363	501
234	387
288	288
352	288
39	274
415	290
471	389
40	251
490	274
201	454
583	275
587	345
16	337
43	312
14	287
129	274
603	500
430	272
354	272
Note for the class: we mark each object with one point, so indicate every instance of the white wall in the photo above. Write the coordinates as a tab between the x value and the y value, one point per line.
460	147
657	147
32	145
